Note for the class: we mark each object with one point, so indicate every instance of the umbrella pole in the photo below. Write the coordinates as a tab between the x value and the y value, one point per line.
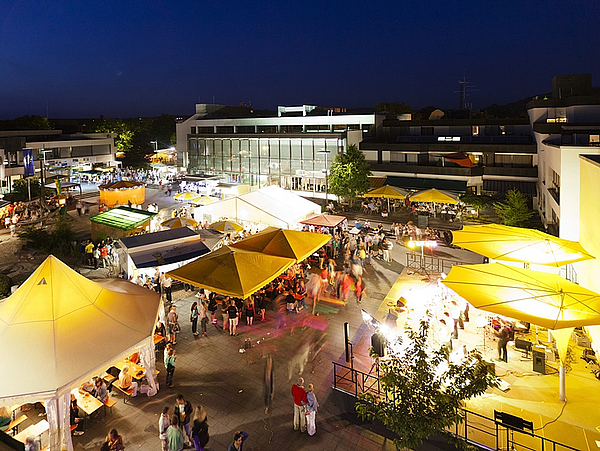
562	382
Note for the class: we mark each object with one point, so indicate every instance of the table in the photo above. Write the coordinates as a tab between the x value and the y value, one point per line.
158	338
136	371
34	430
86	402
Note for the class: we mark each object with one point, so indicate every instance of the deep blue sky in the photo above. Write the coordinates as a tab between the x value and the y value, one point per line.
133	58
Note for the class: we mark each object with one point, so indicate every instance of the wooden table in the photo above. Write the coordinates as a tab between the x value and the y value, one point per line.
136	371
85	401
34	430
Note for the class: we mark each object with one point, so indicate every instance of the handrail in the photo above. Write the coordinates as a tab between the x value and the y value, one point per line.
503	437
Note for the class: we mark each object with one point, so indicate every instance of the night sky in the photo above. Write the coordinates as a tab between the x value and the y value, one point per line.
132	58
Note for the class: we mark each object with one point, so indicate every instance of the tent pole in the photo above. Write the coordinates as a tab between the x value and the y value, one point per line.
563	384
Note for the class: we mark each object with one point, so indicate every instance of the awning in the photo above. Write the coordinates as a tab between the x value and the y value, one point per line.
423	183
461	159
169	254
502	186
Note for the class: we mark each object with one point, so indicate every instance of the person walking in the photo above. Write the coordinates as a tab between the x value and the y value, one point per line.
238	441
175	439
212	306
114	442
268	383
194	315
163	426
200	434
359	288
173	325
311	410
183	410
79	207
170	359
299	395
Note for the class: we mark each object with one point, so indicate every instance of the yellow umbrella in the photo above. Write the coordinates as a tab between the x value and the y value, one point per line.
232	272
186	196
203	200
387	192
547	300
226	226
284	243
500	242
176	223
434	195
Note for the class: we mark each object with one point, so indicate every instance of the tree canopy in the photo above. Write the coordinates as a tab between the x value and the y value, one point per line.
349	174
514	211
423	387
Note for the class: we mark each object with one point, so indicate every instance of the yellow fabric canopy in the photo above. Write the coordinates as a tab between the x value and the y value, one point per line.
186	196
176	223
232	272
122	192
284	243
226	226
60	327
203	200
434	195
388	192
323	220
547	300
516	244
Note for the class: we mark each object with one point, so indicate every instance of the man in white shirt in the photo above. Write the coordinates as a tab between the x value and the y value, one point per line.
166	284
163	425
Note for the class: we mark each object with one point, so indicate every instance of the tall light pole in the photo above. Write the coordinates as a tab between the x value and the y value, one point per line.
326	170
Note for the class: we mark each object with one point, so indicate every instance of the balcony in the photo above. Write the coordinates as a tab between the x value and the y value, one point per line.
555	193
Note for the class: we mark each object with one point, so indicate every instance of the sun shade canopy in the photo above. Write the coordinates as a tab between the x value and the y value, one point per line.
124	218
176	223
232	272
284	243
547	300
500	242
387	192
68	327
324	220
434	195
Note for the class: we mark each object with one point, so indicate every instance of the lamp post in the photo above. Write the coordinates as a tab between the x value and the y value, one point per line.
326	153
43	174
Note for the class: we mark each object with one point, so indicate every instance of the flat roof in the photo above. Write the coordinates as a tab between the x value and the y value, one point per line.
132	242
124	218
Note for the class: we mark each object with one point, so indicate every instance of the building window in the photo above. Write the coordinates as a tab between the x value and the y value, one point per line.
339	128
317	128
426	131
506	130
245	129
225	130
206	130
193	130
595	140
475	130
267	129
291	129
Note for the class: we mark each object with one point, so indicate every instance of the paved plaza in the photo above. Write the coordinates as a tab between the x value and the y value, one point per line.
220	374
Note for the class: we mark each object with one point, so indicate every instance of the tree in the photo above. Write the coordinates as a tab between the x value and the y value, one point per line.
349	174
423	389
394	108
477	202
124	131
514	211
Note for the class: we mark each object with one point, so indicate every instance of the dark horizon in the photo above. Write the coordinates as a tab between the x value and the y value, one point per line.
80	60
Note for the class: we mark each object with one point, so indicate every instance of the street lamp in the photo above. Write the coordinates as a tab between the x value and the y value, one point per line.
155	145
326	170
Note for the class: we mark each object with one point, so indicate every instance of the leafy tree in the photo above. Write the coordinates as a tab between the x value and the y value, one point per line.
514	211
124	130
56	241
349	174
423	389
5	284
20	191
26	123
477	202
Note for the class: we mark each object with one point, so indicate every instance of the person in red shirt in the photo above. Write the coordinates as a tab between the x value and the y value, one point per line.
299	395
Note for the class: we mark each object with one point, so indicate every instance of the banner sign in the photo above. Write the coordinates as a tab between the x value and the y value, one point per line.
28	163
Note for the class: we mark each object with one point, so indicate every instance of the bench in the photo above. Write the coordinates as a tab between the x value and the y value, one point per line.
126	393
108	404
14	424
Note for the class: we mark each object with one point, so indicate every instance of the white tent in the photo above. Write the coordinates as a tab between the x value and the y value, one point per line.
49	334
271	205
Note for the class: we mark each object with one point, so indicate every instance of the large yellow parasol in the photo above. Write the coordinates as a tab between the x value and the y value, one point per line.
540	298
387	192
186	196
232	272
500	242
434	195
226	226
176	223
284	243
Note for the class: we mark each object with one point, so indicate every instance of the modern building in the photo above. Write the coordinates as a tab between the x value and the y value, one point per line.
59	154
291	147
566	125
477	155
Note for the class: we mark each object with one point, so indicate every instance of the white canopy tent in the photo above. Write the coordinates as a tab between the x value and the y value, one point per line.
48	329
271	205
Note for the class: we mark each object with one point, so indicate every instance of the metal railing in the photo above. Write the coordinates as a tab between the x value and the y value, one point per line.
477	430
430	263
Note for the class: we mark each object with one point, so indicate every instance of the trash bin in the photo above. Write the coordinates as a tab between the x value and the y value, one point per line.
539	359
